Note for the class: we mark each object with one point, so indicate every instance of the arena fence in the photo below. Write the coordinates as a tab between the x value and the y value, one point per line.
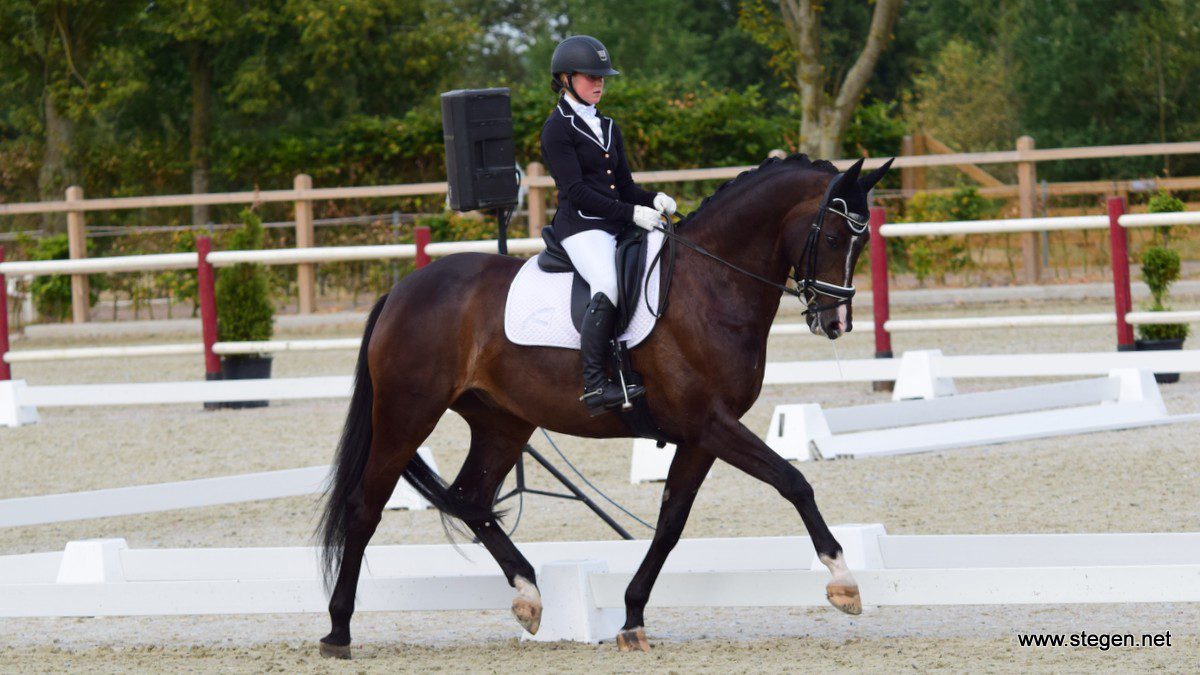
583	583
423	250
1117	222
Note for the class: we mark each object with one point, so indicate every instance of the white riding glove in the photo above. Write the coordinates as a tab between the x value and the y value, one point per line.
646	217
664	203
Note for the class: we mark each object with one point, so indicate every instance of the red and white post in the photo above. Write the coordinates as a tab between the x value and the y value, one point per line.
421	237
1122	295
5	369
208	307
879	291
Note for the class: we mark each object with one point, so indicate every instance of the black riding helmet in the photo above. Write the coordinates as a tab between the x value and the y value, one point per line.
581	54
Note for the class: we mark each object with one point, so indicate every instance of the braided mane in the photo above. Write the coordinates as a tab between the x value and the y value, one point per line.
770	166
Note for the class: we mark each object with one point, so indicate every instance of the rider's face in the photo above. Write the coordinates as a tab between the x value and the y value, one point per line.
589	87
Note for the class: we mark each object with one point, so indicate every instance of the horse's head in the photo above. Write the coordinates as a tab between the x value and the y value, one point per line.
833	241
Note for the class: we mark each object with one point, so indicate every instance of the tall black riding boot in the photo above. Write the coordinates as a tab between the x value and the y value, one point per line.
599	392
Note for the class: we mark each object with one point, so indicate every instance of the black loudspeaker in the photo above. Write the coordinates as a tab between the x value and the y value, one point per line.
480	161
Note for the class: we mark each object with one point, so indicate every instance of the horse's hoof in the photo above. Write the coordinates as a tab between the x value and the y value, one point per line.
844	597
528	614
633	639
329	651
527	606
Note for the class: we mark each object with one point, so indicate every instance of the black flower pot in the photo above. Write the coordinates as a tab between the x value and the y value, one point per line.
1158	346
244	367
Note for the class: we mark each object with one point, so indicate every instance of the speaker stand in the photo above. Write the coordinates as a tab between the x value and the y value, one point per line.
576	493
503	215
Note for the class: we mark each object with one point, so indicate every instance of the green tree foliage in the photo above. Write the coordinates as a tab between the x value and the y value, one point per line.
52	293
245	312
937	256
104	94
963	98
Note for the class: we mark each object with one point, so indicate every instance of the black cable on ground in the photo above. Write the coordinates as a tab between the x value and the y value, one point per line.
593	487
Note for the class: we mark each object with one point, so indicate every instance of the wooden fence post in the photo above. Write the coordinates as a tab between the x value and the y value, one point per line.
536	199
306	274
1027	196
906	173
918	172
77	245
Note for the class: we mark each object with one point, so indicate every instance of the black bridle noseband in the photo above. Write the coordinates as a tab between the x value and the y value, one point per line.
807	288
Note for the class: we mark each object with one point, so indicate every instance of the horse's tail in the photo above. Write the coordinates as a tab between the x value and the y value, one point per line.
350	463
350	460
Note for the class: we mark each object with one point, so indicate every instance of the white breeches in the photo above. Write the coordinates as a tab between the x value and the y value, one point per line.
594	254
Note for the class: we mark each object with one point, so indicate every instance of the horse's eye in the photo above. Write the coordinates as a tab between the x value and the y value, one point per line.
831	239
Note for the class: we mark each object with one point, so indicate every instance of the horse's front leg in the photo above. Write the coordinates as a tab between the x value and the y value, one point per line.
687	472
732	442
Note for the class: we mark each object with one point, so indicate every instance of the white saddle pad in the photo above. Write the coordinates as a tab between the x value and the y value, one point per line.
538	310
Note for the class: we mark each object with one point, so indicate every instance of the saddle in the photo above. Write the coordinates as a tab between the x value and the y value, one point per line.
631	265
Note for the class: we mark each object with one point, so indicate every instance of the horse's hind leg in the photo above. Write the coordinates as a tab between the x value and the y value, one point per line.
497	440
732	442
398	431
688	470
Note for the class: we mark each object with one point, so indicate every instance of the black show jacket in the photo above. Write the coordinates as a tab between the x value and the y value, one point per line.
595	188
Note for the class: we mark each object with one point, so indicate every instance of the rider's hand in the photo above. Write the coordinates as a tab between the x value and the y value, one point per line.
646	217
664	203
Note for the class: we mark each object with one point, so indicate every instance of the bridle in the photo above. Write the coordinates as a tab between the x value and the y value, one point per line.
808	288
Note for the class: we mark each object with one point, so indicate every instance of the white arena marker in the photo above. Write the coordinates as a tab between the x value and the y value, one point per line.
570	612
794	428
12	412
918	377
22	511
650	463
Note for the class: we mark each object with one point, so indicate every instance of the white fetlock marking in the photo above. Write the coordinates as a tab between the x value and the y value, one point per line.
837	567
527	591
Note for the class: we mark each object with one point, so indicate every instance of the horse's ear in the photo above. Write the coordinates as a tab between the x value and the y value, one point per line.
874	177
851	174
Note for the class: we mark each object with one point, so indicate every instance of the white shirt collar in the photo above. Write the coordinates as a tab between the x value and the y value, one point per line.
580	108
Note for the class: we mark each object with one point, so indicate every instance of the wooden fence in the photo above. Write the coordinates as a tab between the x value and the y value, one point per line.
303	194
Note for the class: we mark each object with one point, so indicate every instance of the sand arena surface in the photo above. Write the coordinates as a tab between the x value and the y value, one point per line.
1138	481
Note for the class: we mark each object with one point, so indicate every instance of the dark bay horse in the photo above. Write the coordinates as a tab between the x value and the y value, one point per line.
436	341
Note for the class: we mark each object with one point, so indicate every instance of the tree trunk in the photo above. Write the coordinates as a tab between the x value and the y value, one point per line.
200	68
57	172
825	111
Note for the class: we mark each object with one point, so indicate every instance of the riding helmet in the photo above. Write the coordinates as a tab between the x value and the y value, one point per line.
582	54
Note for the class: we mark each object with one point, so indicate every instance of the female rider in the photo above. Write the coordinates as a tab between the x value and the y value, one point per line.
597	198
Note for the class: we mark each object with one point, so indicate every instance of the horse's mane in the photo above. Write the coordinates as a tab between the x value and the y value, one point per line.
770	166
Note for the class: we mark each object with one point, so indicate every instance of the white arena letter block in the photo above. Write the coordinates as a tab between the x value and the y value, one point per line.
406	498
860	546
794	428
92	561
1138	387
570	611
12	413
649	462
918	377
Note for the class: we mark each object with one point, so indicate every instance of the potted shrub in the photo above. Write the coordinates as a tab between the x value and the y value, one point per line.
1160	269
245	312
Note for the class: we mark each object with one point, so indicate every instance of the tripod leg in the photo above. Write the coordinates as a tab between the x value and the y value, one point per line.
579	494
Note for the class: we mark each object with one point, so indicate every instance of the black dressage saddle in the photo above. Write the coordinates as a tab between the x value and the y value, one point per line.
631	266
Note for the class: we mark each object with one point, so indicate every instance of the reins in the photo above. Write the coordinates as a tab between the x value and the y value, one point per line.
808	287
